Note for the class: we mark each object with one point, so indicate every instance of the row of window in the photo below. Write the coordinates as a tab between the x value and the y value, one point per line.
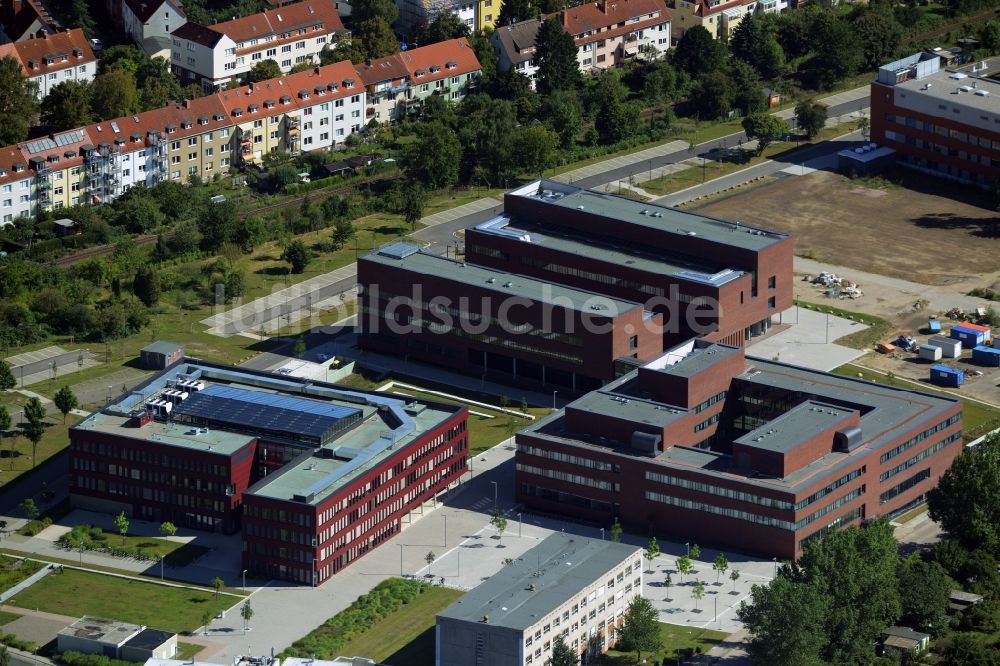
568	477
719	397
570	459
721	491
958	135
910	462
179	462
940	149
913	441
901	488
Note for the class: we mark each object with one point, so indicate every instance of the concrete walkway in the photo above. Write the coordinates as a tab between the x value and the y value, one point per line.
621	161
25	584
49	404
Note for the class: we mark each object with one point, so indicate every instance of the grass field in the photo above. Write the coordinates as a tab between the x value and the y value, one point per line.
977	418
15	449
77	593
176	553
405	637
13	571
6	618
676	640
187	651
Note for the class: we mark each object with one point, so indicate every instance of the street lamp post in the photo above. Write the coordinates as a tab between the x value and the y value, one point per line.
519	524
445	530
244	580
400	560
775	560
554	393
602	534
496	495
688	546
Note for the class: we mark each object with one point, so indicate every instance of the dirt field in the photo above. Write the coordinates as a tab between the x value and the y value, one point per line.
896	231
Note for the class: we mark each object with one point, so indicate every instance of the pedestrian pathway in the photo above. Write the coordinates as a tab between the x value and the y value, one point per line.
459	211
624	160
25	584
49	403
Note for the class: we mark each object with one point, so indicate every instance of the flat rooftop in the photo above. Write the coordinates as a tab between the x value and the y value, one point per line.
412	258
617	254
102	630
370	426
691	358
957	88
560	567
649	215
794	428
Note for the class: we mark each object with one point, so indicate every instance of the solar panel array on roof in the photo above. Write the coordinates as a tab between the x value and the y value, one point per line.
40	145
67	138
266	411
398	250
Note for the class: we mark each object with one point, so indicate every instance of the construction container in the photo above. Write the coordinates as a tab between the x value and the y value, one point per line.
949	348
986	356
987	331
996	342
970	337
930	352
945	376
885	347
933	326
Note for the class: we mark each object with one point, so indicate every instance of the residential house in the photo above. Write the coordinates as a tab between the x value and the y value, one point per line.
719	17
515	48
23	19
150	22
399	83
49	59
608	32
476	14
291	35
903	643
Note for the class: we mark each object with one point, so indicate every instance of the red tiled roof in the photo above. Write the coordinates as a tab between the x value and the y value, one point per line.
702	9
389	68
185	119
282	19
52	46
609	14
456	52
320	83
53	149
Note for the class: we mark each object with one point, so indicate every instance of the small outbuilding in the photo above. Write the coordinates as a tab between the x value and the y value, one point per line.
64	227
903	641
149	644
160	355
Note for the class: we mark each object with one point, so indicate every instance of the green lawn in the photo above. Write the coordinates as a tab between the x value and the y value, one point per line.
15	450
406	636
187	651
13	571
76	593
977	418
176	553
676	639
6	618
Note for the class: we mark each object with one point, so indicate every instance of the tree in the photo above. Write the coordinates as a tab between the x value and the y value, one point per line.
34	413
698	53
376	38
487	58
5	424
433	159
218	584
923	594
18	104
429	559
30	508
720	564
765	128
837	53
810	117
246	612
555	55
414	199
966	501
652	551
562	654
698	592
754	41
114	94
683	566
206	619
615	533
774	637
694	552
734	576
67	106
235	285
748	96
616	119
264	70
7	380
989	37
641	629
297	256
712	95
515	11
146	285
5	656
168	529
535	146
499	522
362	10
965	649
121	522
446	25
879	34
65	400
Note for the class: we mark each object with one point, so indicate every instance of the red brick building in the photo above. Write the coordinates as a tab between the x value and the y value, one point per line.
940	121
655	275
741	453
314	475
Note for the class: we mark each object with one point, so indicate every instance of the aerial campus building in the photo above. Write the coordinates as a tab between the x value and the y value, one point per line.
568	288
940	121
570	586
313	474
754	455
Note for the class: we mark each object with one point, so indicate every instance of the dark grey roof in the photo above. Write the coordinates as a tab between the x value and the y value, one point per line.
516	38
906	632
145	9
149	639
560	567
795	427
163	347
198	34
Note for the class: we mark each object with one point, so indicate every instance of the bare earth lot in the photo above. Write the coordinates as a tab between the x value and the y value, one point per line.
896	231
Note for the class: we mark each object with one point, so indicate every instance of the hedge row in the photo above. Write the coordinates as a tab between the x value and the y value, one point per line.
74	658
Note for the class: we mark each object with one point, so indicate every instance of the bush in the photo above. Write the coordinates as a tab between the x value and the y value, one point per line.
13	641
33	527
73	658
326	641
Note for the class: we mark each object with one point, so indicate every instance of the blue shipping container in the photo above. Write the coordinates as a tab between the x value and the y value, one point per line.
934	326
945	376
969	337
986	356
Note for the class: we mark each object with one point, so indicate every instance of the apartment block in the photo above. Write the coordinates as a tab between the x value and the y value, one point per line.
149	24
569	586
398	84
944	122
314	475
49	59
742	453
291	35
514	45
24	19
720	17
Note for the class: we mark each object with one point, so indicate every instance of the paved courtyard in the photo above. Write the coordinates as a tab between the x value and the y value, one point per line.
806	339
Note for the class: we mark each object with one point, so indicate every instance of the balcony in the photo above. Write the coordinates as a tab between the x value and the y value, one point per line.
292	122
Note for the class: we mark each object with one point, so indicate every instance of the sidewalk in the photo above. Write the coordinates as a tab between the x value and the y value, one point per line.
25	584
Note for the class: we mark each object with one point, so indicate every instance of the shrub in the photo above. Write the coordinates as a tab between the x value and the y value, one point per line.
73	658
13	641
33	527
